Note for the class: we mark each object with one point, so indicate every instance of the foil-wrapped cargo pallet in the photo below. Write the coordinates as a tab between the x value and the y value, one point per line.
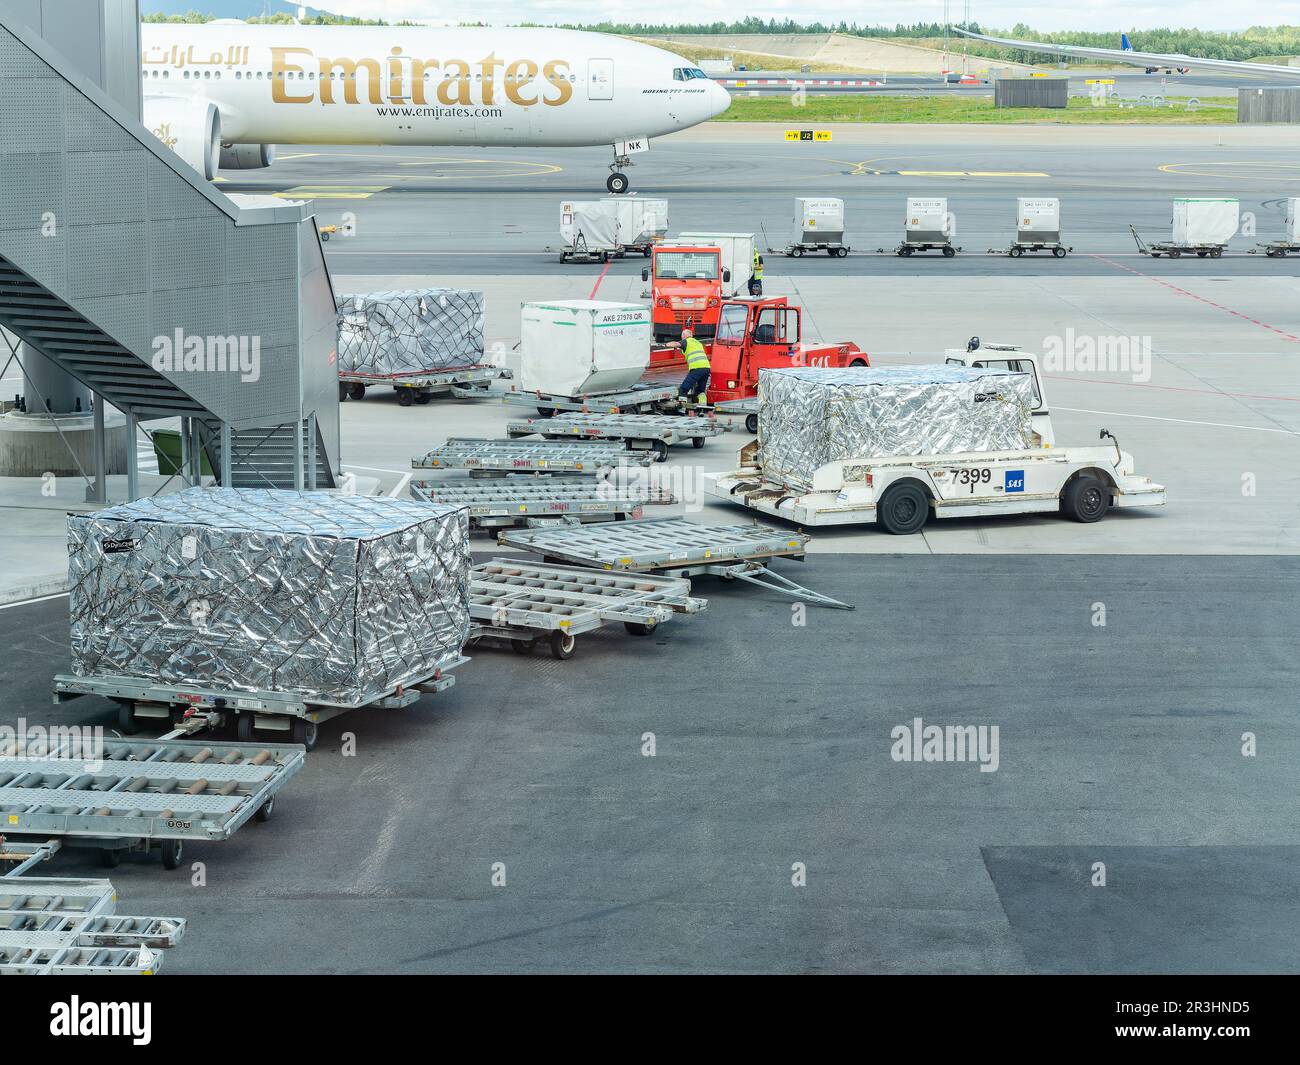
641	432
528	602
283	608
551	456
532	501
418	341
67	926
810	416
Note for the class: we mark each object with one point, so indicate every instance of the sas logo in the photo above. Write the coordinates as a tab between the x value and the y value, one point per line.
1015	481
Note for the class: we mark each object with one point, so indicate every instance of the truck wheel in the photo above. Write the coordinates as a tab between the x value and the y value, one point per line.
751	423
1085	499
843	253
343	392
1015	253
562	644
172	851
304	732
858	364
904	509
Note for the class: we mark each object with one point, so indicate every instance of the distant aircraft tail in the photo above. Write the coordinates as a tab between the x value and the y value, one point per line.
1123	42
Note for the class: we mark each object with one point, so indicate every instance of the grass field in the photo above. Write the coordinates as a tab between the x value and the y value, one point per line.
973	109
753	60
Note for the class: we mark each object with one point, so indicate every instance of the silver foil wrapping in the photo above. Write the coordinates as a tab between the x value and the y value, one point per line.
409	332
809	417
335	598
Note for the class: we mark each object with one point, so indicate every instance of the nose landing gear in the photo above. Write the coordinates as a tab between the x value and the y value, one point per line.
617	182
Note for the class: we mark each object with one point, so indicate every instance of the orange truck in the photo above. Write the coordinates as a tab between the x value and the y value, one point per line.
687	282
765	334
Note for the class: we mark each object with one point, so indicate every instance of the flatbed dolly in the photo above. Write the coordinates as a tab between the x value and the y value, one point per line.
796	250
1277	249
678	547
1019	248
139	795
527	603
541	500
296	716
473	382
646	398
748	408
908	247
550	456
640	432
69	926
1155	249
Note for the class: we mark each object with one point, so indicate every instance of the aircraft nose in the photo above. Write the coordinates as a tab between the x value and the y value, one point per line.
719	99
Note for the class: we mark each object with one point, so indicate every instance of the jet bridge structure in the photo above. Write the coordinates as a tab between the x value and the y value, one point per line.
166	299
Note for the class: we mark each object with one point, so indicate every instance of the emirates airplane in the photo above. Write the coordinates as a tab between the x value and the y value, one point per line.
223	94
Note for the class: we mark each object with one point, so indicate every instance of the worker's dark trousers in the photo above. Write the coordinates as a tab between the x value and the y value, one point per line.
755	286
694	383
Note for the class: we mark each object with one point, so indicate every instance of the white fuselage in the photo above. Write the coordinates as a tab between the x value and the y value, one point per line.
425	86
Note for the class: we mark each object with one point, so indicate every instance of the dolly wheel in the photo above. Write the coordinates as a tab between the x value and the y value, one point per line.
1059	252
304	732
949	252
405	397
110	857
751	423
546	412
639	628
244	728
172	849
697	441
126	720
265	811
562	644
660	449
423	397
356	390
523	647
1015	253
797	253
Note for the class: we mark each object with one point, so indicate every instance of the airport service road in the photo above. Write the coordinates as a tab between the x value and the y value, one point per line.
1118	745
495	211
1217	416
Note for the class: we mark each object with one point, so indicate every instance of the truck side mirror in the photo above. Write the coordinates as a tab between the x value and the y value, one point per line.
726	276
645	274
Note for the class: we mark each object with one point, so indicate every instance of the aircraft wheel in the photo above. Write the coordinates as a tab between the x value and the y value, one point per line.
617	183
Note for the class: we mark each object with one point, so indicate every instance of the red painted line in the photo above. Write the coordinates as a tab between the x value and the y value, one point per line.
601	278
1201	299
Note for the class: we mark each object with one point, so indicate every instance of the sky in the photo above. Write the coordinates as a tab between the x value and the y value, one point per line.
1076	15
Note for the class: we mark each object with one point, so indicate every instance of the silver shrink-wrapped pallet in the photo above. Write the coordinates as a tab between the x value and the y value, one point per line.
427	330
334	598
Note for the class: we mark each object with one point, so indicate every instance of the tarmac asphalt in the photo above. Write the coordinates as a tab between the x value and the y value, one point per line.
1119	745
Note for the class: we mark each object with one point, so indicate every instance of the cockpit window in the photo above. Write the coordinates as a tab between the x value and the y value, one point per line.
687	73
679	74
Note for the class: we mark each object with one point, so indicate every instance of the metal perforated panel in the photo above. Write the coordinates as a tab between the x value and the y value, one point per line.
123	317
45	259
88	129
106	259
267	309
31	123
261	253
187	252
171	196
16	61
30	185
106	187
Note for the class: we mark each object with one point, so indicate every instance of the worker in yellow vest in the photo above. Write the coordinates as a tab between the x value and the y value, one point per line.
756	279
696	381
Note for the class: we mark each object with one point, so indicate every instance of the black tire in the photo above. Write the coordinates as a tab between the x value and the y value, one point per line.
1200	255
905	251
1085	499
639	628
1175	254
1015	253
110	857
617	183
343	392
356	390
858	364
948	253
126	719
660	449
523	647
405	397
1059	253
173	850
751	423
797	253
843	253
304	732
904	509
546	412
423	397
562	644
1217	253
244	728
265	811
697	441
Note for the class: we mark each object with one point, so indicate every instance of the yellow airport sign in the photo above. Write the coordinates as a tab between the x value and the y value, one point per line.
1099	81
822	135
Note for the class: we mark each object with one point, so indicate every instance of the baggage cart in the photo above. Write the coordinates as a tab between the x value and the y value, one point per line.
471	382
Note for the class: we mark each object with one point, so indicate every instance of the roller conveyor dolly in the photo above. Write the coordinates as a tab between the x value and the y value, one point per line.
139	794
69	926
1278	249
1157	248
678	547
528	603
507	456
471	382
746	408
648	397
641	432
541	500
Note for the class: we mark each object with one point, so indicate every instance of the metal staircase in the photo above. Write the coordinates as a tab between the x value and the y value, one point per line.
112	248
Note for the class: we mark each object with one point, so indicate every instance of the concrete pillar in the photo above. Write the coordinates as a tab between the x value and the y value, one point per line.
47	387
225	455
299	459
98	492
132	458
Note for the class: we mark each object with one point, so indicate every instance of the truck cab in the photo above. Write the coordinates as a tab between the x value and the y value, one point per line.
765	334
686	290
1010	357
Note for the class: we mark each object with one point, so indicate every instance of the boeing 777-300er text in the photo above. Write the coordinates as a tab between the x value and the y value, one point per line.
223	94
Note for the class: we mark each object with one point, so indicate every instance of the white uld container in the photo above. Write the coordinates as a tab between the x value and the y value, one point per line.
577	347
818	220
928	221
1293	220
737	256
1038	221
1205	221
591	225
646	221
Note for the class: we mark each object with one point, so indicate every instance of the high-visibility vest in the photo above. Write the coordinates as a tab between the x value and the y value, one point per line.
696	357
758	267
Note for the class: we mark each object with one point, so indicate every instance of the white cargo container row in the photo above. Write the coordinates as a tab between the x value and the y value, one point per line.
1293	220
818	220
1202	221
1038	220
613	223
579	347
928	220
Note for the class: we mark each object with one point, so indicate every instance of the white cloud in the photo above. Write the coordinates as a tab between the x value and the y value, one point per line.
1077	15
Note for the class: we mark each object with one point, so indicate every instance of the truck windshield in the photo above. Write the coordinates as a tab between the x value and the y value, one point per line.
687	265
731	324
